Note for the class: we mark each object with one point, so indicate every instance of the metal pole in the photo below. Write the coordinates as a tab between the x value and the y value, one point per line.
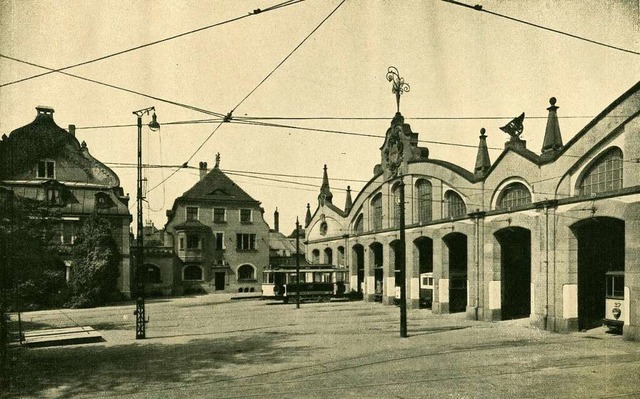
403	266
297	264
138	274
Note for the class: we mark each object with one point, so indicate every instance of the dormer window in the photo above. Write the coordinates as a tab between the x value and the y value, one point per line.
102	201
46	170
54	195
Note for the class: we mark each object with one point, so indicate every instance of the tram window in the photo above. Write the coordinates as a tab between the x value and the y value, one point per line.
615	286
340	277
268	277
317	277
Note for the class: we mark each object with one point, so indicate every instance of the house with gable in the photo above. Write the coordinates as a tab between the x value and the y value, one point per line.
218	235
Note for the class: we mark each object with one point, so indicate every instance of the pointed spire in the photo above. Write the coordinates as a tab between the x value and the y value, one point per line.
483	163
348	202
325	191
552	137
307	218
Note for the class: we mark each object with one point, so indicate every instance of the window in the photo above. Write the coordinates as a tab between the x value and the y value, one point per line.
54	195
153	275
46	170
328	256
323	228
396	206
245	242
218	241
192	273
515	195
359	224
245	216
181	247
193	241
454	205
68	233
340	256
219	215
246	272
423	192
376	205
605	175
315	256
192	213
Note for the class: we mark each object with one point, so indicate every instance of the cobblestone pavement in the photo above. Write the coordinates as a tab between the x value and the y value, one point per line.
211	347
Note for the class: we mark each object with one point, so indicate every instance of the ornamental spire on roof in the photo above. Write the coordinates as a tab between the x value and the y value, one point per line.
325	192
552	137
483	163
307	218
399	86
348	202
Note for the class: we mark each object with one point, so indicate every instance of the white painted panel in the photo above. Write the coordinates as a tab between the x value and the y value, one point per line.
570	301
443	295
627	314
390	286
495	301
370	285
353	282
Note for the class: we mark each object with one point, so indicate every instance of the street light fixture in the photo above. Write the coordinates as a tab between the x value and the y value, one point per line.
139	269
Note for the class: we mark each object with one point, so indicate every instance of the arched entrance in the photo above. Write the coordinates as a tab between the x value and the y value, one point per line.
515	272
457	248
600	249
358	260
378	275
423	247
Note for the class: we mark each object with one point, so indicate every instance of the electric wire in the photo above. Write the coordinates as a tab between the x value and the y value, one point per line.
479	7
104	57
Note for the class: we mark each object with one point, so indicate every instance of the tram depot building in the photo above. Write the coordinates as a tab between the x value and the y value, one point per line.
529	235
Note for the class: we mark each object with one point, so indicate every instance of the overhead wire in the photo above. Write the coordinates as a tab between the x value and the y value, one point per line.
166	39
228	117
480	8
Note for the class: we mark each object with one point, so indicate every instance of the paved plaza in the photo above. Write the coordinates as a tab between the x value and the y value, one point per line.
214	347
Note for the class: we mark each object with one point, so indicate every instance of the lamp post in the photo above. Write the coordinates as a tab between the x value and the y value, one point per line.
297	264
139	269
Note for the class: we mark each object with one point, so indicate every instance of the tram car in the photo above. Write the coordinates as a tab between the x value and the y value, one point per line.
316	283
614	301
426	291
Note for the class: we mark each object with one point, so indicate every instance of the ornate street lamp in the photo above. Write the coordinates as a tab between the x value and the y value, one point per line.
139	268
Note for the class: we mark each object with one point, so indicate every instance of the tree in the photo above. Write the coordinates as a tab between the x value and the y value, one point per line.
95	264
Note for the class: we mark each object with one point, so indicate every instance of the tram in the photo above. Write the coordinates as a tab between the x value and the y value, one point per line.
426	291
317	282
614	301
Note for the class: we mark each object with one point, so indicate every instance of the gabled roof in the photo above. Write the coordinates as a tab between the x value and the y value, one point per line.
216	186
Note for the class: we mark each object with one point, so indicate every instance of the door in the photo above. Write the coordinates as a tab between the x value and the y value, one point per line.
219	281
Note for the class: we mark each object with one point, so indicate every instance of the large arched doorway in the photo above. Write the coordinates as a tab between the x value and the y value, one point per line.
457	248
378	275
515	274
600	249
423	247
358	260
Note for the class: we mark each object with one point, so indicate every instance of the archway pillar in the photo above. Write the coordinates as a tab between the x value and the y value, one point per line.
412	273
369	283
631	328
388	274
440	273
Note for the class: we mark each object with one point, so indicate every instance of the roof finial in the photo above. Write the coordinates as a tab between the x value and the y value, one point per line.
399	86
217	160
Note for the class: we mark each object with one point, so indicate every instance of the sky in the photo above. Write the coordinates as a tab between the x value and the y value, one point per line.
466	70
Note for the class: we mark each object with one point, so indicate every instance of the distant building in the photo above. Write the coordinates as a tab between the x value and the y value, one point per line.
43	162
531	235
218	235
282	249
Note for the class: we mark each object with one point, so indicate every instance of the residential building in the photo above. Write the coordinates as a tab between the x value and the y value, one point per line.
530	235
218	235
41	161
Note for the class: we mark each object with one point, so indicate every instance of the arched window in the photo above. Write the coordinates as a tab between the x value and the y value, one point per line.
515	195
328	256
358	226
315	256
340	256
604	175
376	212
454	204
192	273
246	272
153	275
423	193
395	205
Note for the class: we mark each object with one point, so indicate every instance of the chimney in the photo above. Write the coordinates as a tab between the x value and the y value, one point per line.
276	221
45	111
72	130
203	170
